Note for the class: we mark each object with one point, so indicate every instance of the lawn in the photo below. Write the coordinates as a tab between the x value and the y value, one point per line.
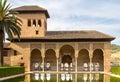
116	70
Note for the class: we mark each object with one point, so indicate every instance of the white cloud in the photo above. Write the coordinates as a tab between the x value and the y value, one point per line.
101	15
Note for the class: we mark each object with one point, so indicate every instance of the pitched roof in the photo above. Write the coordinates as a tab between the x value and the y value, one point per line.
31	8
84	35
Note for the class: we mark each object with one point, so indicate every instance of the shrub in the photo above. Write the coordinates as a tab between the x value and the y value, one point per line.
13	70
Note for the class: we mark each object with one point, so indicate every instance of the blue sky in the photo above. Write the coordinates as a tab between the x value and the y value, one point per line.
100	15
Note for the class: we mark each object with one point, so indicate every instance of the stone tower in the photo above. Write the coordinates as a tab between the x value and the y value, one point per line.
34	21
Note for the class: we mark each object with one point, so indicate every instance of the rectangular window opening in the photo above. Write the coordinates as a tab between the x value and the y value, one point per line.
29	22
39	23
37	32
34	23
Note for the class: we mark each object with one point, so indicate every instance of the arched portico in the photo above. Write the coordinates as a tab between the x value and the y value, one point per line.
67	56
83	60
35	58
98	58
50	58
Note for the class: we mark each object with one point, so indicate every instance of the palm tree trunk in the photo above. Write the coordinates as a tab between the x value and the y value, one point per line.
1	47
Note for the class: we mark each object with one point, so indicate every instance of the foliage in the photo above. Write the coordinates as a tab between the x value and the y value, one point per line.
115	48
13	70
9	23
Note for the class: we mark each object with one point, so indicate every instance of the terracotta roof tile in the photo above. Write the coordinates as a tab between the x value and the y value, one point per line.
90	34
71	35
31	8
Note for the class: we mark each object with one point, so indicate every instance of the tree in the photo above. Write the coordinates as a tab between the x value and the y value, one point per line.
9	24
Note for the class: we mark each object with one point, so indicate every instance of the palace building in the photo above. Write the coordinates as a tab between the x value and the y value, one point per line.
39	49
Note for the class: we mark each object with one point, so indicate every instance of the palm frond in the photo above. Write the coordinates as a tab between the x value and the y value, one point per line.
0	5
7	8
8	20
4	4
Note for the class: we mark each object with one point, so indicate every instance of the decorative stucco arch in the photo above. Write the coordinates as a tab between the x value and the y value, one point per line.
50	57
83	57
35	57
67	50
98	57
67	56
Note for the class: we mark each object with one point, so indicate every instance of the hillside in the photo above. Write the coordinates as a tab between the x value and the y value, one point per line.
115	57
115	48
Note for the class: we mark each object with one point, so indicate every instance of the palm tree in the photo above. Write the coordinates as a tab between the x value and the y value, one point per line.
9	24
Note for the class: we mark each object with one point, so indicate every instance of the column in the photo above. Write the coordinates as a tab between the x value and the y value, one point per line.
90	55
76	65
76	56
107	55
43	64
57	56
57	65
27	57
43	55
90	64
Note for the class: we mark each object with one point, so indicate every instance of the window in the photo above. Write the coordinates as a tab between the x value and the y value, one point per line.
37	32
15	52
34	23
39	23
29	22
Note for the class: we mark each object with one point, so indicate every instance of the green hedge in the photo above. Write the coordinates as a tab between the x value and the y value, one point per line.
8	71
116	70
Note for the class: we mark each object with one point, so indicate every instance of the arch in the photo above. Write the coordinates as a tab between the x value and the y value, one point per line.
66	58
67	49
35	58
67	55
50	57
98	58
83	57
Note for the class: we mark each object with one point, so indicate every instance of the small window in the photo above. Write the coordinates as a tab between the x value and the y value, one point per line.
34	23
15	52
39	23
29	22
37	32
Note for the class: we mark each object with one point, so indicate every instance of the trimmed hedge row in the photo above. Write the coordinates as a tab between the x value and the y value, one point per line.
8	71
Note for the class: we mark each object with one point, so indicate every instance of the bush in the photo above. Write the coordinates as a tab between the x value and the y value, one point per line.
8	71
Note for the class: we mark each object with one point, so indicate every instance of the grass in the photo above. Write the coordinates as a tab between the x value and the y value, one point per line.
116	70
